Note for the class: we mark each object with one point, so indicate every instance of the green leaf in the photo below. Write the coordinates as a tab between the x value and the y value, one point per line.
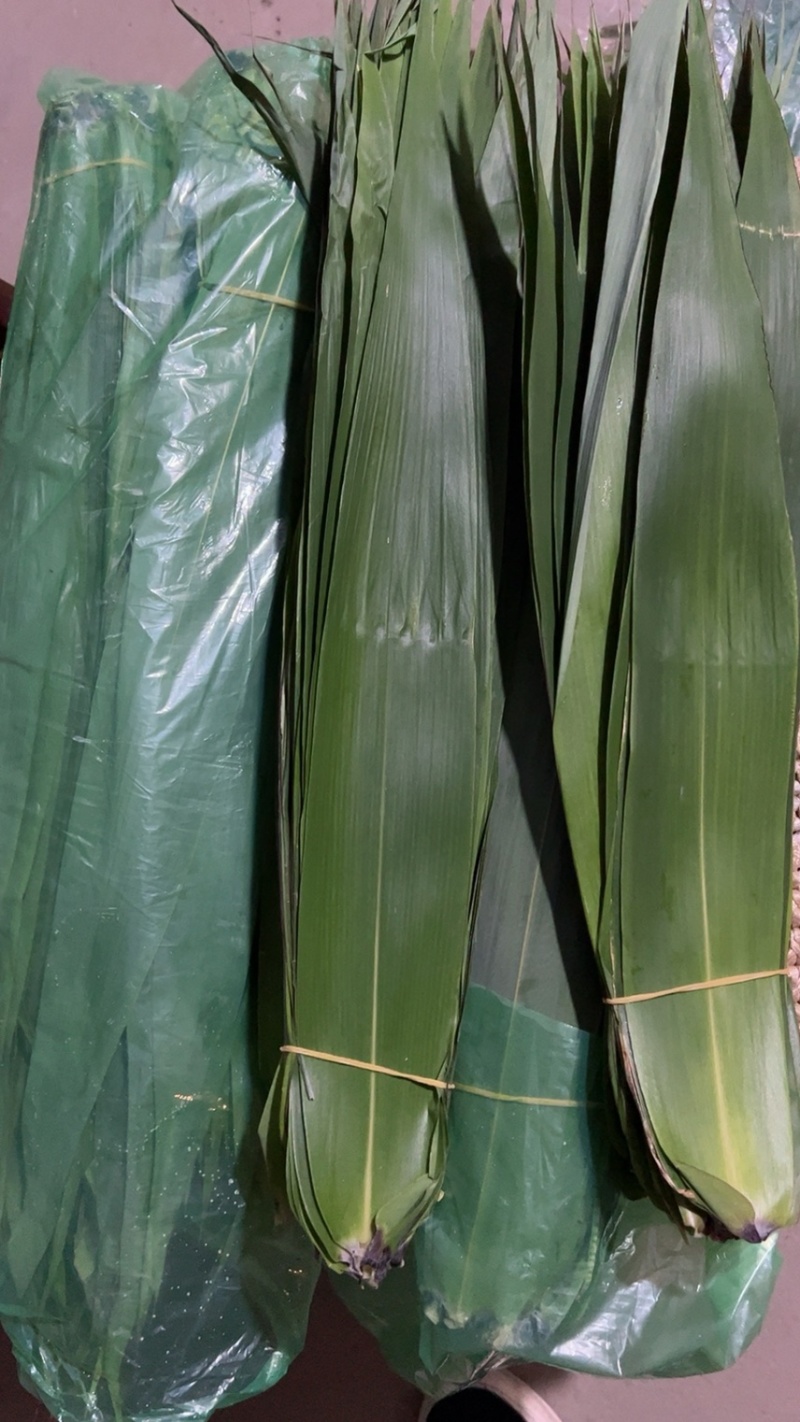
710	735
596	542
768	208
396	635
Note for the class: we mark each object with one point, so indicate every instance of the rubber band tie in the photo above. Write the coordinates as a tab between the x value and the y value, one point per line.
99	163
267	296
433	1082
696	987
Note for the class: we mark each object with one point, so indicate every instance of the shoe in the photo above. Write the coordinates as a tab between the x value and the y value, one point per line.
499	1397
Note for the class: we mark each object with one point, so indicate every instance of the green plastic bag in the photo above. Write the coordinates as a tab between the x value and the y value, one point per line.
151	438
780	22
534	1253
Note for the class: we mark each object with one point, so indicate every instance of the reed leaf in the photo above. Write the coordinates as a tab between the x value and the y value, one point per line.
768	208
595	541
391	728
709	735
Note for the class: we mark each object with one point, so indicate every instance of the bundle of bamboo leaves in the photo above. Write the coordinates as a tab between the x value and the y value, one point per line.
106	160
152	511
521	1184
676	649
660	456
667	620
391	693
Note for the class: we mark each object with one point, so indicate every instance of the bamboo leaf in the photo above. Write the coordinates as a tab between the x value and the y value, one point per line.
300	143
581	710
710	737
768	208
399	736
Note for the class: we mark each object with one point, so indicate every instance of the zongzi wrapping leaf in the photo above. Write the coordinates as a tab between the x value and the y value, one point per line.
391	686
702	839
149	1278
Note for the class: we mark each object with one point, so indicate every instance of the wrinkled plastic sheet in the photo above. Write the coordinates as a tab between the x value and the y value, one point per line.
152	416
780	21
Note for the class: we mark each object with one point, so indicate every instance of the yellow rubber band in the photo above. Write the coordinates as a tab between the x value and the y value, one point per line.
696	987
267	296
100	163
433	1082
523	1100
369	1066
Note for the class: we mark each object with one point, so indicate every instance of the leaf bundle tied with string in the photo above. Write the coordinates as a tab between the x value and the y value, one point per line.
667	601
391	700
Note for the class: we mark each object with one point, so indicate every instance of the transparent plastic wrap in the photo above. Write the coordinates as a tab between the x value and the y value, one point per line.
780	21
656	1304
534	1253
152	419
